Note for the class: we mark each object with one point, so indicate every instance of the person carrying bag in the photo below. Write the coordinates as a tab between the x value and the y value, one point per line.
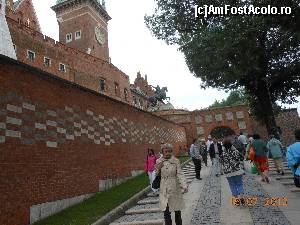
296	177
293	158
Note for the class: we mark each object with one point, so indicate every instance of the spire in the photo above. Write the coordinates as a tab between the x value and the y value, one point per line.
6	45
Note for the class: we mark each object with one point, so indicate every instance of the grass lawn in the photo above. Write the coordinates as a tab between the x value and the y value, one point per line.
89	211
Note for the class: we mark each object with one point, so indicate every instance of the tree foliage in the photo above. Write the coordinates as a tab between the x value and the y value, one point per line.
258	53
240	96
235	97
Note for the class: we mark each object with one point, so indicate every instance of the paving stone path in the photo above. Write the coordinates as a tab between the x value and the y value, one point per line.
208	208
146	212
260	213
209	202
207	211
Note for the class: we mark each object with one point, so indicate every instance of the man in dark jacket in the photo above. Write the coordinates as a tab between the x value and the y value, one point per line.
239	146
196	157
215	150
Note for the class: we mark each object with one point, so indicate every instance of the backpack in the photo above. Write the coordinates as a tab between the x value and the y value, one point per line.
297	177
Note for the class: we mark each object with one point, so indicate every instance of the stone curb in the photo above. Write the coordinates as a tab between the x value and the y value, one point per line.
121	209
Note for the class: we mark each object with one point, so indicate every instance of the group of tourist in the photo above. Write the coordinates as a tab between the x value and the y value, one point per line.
227	154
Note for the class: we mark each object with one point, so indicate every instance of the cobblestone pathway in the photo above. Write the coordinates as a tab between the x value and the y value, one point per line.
261	214
208	208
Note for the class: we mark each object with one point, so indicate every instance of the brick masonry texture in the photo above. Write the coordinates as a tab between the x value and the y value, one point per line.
24	12
81	68
201	123
58	140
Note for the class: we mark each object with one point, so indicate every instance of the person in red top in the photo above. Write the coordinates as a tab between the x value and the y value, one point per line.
150	167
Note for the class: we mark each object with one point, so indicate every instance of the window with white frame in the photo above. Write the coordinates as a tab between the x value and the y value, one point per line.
30	55
229	116
47	61
219	117
240	115
200	130
198	119
208	118
77	34
68	37
62	67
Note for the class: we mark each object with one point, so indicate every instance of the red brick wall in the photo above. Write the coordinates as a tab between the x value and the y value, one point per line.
82	19
23	12
233	123
81	68
58	140
288	121
188	119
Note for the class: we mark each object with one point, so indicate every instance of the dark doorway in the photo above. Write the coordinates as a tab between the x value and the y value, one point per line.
221	132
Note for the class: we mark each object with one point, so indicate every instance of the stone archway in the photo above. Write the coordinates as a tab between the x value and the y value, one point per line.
221	131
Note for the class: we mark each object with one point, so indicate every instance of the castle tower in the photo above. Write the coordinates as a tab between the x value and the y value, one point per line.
6	44
83	26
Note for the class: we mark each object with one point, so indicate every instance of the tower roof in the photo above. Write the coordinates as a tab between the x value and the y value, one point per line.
62	4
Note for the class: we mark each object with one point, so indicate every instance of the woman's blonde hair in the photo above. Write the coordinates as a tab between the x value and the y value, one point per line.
164	146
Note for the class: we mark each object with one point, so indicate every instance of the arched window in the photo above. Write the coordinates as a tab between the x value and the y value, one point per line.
117	93
102	85
126	94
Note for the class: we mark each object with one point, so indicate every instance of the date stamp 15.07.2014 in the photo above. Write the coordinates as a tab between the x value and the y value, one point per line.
253	200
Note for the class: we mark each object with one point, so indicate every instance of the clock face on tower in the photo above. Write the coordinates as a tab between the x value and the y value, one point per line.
100	36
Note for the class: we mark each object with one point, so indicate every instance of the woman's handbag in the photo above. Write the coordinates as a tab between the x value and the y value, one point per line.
251	153
156	182
297	177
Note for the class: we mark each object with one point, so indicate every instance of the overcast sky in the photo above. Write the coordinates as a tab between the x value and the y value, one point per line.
133	49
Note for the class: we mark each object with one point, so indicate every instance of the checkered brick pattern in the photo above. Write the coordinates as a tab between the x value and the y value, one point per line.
34	121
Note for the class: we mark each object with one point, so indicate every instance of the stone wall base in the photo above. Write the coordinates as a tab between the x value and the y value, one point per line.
41	211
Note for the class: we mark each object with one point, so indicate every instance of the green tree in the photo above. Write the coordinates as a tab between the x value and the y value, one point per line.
235	97
258	53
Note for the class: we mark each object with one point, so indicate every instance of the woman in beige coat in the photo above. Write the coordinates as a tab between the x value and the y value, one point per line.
172	185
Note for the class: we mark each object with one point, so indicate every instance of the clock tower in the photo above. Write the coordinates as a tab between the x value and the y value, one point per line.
83	26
